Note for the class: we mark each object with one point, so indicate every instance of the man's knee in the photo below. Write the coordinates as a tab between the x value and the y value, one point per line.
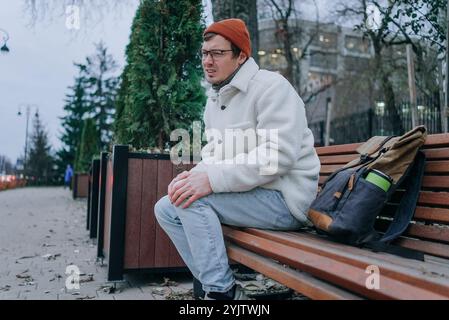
162	207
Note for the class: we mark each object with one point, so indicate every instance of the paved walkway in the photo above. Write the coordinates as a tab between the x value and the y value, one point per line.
42	232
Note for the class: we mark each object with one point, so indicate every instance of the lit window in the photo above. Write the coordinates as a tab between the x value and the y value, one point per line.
326	40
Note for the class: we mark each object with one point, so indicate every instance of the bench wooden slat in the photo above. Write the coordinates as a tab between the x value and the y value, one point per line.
432	141
437	167
431	167
329	169
312	238
339	273
430	182
434	198
341	253
431	154
338	149
437	140
429	232
437	233
296	280
439	182
428	266
427	198
436	249
427	214
432	214
338	159
437	154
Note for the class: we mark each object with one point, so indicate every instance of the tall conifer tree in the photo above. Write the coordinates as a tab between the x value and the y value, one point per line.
161	84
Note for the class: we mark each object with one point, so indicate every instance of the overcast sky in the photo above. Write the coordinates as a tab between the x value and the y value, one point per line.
39	66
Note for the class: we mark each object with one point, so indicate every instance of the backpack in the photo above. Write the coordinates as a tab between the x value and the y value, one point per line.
350	200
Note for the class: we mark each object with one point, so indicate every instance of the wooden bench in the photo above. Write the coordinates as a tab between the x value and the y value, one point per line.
322	269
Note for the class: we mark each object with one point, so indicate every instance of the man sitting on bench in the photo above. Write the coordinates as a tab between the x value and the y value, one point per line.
268	182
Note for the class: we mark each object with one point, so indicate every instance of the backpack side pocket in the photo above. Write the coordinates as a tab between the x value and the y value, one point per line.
322	209
355	217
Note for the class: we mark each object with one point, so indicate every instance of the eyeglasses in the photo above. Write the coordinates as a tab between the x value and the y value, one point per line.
214	54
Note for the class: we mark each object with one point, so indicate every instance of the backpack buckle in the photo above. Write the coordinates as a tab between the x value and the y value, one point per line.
365	157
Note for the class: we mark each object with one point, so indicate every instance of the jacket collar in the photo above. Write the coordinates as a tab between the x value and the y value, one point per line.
241	80
245	74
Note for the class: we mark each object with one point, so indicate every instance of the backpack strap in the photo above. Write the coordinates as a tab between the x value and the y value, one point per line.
378	246
368	150
363	160
407	206
403	214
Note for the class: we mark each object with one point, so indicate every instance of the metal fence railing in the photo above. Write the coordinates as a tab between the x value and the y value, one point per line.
361	126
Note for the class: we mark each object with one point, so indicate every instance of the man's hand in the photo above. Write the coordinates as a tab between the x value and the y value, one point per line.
179	177
189	184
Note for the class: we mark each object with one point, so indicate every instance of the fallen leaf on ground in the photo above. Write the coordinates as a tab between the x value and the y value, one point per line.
27	257
48	245
251	285
181	295
169	283
89	278
23	275
50	256
108	289
160	291
85	298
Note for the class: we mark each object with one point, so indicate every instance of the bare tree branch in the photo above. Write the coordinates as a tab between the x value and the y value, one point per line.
93	10
310	96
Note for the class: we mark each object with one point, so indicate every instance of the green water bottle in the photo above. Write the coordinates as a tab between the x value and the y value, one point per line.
380	179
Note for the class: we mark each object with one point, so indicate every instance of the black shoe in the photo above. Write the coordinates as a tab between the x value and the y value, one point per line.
235	293
198	292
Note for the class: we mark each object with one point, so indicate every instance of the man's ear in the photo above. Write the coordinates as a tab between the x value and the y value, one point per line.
242	57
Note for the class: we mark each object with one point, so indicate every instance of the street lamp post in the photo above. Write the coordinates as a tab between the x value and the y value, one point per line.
19	113
4	37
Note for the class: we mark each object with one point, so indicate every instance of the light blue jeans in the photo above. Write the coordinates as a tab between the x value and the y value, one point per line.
196	231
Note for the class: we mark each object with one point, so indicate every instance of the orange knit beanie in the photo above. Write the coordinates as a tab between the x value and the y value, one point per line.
235	31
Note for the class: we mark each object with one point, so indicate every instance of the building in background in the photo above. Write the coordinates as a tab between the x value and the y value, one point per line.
326	55
335	63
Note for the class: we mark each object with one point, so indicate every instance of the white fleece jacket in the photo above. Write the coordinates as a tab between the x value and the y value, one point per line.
259	99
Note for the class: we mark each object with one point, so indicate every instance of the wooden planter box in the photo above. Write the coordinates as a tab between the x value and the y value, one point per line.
15	183
80	185
92	199
129	236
